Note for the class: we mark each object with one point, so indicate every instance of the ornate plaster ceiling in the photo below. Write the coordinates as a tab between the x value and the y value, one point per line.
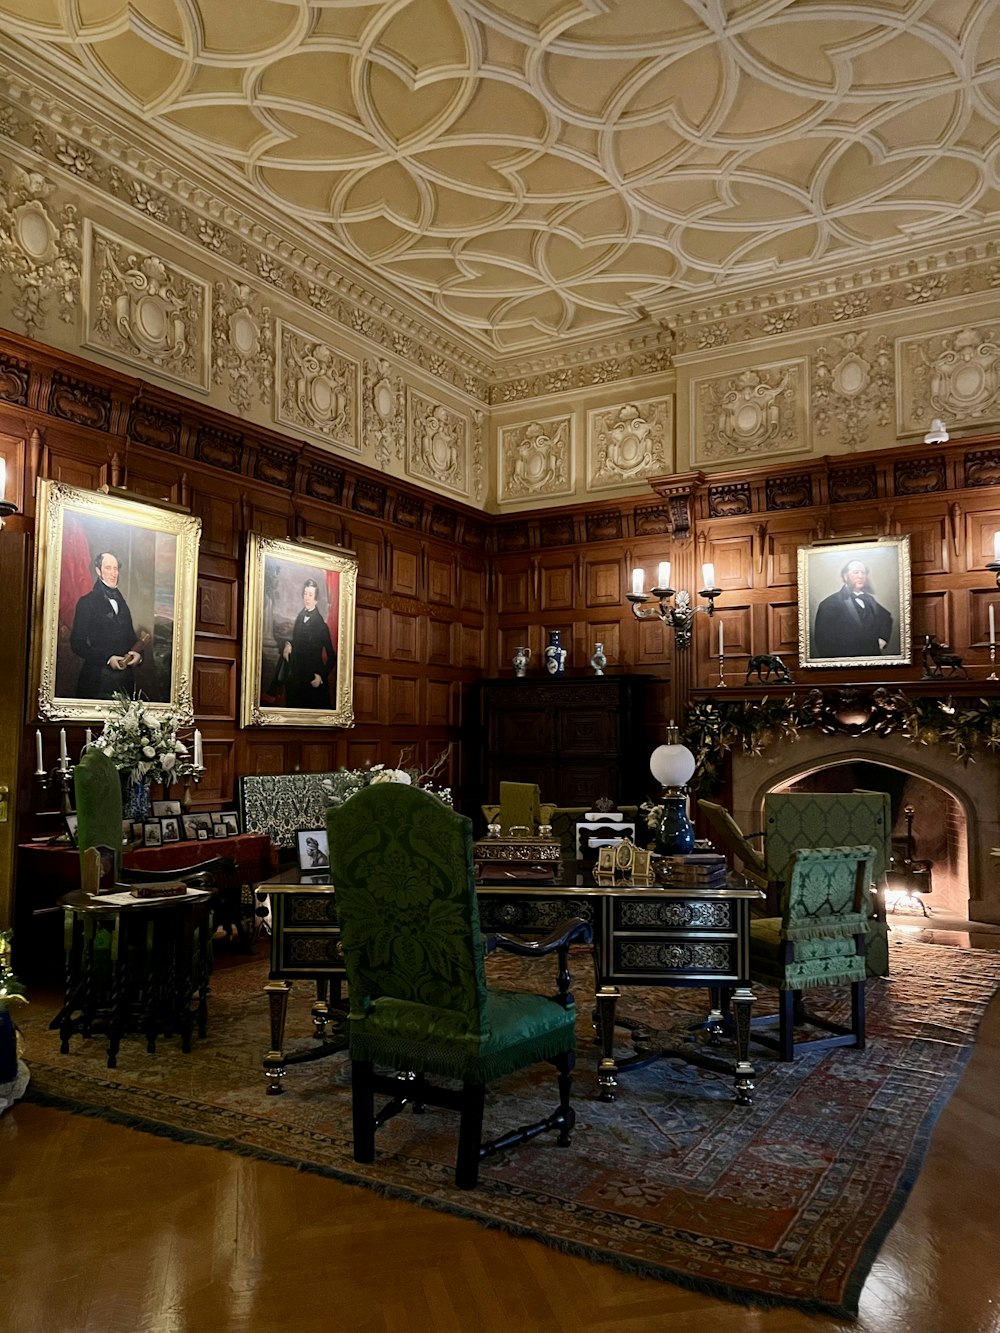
546	170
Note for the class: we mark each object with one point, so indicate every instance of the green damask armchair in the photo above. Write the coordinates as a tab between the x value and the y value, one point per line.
818	940
419	1003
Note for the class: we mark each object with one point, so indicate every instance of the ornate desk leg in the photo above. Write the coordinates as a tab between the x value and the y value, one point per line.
277	993
715	1022
320	1009
607	998
742	1005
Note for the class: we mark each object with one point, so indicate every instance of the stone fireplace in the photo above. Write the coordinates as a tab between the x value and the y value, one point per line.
957	819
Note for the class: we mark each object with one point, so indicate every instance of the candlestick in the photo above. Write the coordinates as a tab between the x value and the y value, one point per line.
199	757
993	624
63	752
40	760
89	740
993	662
722	639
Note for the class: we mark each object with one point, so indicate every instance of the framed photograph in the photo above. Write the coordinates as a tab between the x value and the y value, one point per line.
219	830
166	808
126	832
195	826
170	829
298	635
137	830
114	604
314	853
854	603
203	834
70	821
152	835
231	821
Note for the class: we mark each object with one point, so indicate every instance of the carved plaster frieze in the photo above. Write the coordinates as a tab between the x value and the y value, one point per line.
629	441
478	454
853	387
953	374
610	368
144	310
153	188
39	249
536	459
317	389
242	344
437	448
383	411
757	411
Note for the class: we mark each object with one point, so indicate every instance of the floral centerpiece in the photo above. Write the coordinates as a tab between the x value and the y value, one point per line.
346	782
142	744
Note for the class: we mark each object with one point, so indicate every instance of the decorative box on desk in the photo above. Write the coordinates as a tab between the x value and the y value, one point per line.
538	856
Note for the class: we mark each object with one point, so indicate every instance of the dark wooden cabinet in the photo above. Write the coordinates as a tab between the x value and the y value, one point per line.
578	738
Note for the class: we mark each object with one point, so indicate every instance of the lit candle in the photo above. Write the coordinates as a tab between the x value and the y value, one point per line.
638	579
722	640
993	626
663	574
996	547
199	760
63	752
708	576
89	740
41	761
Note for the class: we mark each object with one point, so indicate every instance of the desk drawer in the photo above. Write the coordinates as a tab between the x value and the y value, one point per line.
638	959
305	936
528	913
688	914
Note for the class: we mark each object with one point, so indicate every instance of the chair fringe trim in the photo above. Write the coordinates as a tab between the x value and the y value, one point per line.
847	926
445	1062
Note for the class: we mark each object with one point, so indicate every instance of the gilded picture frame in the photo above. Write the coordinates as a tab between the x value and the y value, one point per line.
854	603
153	551
289	678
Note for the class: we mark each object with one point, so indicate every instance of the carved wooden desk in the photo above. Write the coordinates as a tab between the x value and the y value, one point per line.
658	936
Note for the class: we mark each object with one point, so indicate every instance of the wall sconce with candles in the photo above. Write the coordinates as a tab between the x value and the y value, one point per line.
673	607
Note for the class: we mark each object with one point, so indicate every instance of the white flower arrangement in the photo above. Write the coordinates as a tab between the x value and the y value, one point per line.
143	743
348	781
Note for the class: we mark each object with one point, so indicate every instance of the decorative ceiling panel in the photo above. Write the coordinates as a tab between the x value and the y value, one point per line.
563	169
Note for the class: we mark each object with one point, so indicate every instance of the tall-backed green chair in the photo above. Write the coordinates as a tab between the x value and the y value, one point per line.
835	819
818	940
402	864
734	844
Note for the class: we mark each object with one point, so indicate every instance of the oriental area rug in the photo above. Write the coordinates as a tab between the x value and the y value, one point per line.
783	1202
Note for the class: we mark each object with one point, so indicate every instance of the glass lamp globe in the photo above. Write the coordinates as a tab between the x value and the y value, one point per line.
673	766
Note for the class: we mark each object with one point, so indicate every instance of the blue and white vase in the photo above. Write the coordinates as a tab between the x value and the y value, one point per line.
555	655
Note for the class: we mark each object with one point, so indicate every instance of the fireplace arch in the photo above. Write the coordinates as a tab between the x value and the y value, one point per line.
975	787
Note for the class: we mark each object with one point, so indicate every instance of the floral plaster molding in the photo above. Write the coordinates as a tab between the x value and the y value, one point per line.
65	137
242	344
383	410
438	444
953	374
853	386
39	249
536	459
317	389
629	441
755	412
143	310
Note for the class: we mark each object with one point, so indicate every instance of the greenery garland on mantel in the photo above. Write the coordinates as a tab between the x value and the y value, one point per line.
713	728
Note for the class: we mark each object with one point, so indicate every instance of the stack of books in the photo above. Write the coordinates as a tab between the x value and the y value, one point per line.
700	870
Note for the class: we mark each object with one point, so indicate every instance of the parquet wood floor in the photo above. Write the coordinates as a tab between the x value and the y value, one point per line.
108	1229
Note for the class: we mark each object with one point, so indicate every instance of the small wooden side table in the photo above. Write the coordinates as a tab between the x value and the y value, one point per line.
136	965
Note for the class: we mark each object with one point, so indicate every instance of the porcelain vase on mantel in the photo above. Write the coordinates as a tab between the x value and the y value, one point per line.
598	661
522	656
555	654
136	802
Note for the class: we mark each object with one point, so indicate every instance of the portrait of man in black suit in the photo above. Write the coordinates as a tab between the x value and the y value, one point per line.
854	603
103	635
851	622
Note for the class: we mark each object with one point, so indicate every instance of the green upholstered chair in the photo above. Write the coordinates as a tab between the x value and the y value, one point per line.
402	864
834	819
818	940
521	807
734	843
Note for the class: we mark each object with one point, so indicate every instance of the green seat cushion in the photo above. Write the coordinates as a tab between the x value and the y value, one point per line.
817	962
519	1028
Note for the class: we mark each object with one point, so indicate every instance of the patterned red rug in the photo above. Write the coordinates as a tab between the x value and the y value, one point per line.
783	1202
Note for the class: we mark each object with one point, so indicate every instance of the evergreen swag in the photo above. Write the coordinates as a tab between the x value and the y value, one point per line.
714	728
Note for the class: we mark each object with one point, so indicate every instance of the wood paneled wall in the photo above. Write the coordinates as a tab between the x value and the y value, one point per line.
446	594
